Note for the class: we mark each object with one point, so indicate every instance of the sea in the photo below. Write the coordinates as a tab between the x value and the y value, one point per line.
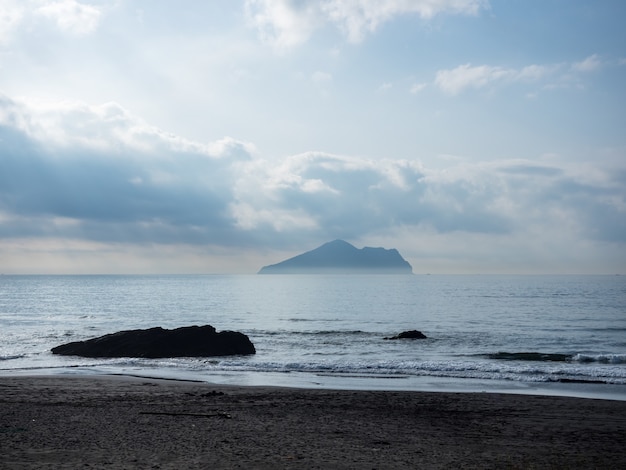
550	335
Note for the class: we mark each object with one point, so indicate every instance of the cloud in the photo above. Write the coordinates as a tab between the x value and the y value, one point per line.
360	17
321	77
456	80
100	176
590	64
69	16
104	128
533	72
282	23
110	177
286	23
466	76
11	14
417	87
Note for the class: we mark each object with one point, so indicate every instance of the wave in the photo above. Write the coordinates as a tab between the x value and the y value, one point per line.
534	356
578	381
11	357
601	358
312	320
312	333
542	372
509	371
529	356
609	328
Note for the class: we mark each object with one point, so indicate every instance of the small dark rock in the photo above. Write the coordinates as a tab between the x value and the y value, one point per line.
412	334
190	341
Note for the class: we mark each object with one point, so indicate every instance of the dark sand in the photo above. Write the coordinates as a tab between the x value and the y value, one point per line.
114	422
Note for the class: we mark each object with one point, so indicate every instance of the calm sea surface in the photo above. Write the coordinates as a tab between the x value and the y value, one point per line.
522	334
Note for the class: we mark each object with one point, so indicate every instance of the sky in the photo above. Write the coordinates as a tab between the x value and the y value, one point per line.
152	136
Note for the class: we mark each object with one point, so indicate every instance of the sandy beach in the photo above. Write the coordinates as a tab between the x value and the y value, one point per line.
124	422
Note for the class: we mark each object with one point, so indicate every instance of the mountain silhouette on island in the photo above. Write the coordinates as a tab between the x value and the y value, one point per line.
340	257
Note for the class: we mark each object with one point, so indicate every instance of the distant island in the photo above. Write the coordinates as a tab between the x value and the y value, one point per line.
340	257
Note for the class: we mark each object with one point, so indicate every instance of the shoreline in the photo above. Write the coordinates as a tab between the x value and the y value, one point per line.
355	382
120	421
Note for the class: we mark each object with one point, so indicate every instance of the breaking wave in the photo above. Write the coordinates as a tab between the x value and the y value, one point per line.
556	357
11	357
507	371
601	358
530	356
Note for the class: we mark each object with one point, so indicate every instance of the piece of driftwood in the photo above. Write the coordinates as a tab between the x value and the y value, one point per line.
219	414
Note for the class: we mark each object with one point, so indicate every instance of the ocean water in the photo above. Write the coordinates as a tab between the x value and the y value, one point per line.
520	334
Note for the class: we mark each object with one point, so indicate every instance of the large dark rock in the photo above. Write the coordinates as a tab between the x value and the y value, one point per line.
190	341
340	257
411	334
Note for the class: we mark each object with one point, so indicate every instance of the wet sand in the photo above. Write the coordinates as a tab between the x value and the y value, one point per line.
121	422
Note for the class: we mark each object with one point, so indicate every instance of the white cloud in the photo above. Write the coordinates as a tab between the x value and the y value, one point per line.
360	17
248	218
72	16
467	76
321	77
417	87
282	24
69	16
590	64
534	72
106	127
454	81
11	14
285	23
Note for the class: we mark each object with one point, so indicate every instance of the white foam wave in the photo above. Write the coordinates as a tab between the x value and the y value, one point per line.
10	357
601	358
450	369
